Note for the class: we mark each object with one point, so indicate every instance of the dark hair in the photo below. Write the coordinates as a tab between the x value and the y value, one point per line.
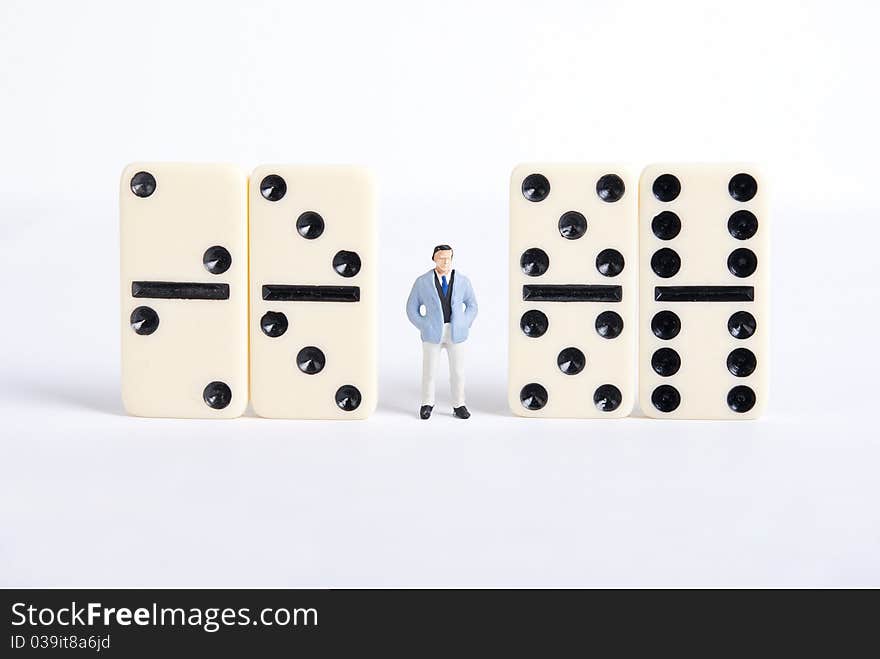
440	248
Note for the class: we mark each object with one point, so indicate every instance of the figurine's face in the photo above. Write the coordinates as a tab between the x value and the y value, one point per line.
443	261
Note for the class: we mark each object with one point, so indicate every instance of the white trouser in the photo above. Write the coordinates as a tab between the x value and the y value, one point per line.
430	356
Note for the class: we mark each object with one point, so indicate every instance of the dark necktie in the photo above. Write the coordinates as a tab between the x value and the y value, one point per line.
444	285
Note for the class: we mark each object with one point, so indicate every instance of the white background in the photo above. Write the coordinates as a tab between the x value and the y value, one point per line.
441	99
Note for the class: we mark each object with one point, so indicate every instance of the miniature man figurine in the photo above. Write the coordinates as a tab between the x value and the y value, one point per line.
450	309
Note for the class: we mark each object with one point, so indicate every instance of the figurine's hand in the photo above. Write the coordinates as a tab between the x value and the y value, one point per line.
414	309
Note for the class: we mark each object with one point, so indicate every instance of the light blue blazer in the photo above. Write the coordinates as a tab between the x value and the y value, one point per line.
464	308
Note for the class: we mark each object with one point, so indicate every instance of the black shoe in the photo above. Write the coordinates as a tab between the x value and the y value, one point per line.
461	412
425	411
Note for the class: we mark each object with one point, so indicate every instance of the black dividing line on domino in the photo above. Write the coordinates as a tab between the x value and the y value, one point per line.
571	293
177	290
299	293
704	293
